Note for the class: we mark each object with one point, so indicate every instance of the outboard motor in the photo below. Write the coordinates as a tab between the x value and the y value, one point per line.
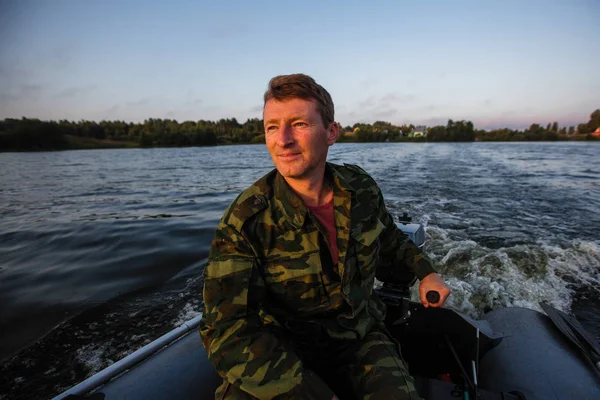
397	281
416	232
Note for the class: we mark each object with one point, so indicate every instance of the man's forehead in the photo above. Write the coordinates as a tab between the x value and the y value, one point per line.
274	107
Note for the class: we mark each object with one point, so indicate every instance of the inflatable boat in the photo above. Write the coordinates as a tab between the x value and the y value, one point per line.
511	353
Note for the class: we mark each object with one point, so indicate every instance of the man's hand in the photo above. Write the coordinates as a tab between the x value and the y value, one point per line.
433	282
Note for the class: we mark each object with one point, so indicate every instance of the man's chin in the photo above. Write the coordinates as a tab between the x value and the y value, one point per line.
291	173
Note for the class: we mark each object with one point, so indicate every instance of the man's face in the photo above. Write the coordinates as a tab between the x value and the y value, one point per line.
296	137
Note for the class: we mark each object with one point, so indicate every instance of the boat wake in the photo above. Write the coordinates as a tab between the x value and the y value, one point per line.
520	275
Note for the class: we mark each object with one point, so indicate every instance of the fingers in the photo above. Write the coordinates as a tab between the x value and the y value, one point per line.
443	296
433	282
423	296
444	292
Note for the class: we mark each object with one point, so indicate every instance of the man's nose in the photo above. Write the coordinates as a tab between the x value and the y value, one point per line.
285	136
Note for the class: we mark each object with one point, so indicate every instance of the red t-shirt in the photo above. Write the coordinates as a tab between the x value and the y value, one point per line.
325	216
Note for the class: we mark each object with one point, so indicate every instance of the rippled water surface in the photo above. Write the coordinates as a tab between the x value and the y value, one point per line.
102	251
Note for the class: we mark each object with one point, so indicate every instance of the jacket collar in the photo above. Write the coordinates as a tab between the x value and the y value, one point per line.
291	205
339	181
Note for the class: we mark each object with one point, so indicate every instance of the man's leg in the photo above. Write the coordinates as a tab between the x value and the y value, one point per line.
227	391
378	371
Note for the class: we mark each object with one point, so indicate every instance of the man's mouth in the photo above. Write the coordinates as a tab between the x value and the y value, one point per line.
288	156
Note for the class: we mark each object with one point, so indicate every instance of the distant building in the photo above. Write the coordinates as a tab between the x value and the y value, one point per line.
596	132
419	131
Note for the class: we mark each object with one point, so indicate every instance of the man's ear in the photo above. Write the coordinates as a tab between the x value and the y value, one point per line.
333	132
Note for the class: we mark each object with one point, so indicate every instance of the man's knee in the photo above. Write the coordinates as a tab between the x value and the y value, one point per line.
227	391
380	371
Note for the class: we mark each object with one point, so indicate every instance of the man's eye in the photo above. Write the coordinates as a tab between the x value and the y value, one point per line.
271	128
300	124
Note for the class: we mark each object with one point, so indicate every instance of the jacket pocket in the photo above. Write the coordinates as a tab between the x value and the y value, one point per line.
226	287
367	242
295	283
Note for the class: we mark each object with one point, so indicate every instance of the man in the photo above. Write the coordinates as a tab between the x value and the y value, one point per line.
289	309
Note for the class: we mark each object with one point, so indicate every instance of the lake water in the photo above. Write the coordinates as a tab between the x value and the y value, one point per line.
102	251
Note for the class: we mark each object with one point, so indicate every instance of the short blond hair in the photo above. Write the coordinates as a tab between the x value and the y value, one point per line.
285	87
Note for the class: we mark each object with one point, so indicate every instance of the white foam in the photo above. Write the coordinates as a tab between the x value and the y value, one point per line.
580	262
457	249
482	278
93	356
188	312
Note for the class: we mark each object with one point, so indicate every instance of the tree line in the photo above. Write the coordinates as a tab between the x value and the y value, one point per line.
464	131
34	134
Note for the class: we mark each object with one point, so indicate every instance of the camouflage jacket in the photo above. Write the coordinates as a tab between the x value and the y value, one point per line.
271	290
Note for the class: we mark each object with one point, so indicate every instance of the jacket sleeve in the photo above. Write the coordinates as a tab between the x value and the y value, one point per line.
242	351
397	250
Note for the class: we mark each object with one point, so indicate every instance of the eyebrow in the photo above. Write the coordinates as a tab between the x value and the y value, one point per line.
292	119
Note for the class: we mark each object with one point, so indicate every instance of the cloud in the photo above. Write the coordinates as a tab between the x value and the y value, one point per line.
522	119
144	101
75	91
501	122
398	108
384	101
368	102
398	98
429	107
7	98
385	113
113	109
23	92
256	109
60	57
13	73
193	102
31	89
369	83
431	121
232	28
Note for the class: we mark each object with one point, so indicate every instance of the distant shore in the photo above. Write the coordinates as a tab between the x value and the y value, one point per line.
35	135
94	144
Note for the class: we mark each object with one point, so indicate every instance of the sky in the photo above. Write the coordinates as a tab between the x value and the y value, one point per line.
497	63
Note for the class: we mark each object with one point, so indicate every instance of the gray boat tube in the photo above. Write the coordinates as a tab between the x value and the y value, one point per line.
416	232
131	360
